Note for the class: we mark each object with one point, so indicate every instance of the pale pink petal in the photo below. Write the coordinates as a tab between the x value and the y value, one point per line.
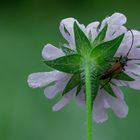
119	82
118	105
66	29
99	112
114	25
51	91
118	92
50	52
133	68
104	22
135	61
106	105
134	84
136	38
117	18
41	79
134	54
119	32
92	30
80	98
64	100
126	44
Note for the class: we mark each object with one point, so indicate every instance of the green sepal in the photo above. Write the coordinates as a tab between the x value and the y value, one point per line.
100	38
107	49
83	45
107	88
95	88
69	64
105	52
79	89
73	82
123	76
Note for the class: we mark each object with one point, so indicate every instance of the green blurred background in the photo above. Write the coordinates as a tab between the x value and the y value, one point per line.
25	114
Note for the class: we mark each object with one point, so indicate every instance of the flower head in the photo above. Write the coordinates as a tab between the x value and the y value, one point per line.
103	45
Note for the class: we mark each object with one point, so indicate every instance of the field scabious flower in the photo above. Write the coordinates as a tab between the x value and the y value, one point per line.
67	75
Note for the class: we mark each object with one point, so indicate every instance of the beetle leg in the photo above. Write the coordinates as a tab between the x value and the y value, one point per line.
123	68
110	78
120	58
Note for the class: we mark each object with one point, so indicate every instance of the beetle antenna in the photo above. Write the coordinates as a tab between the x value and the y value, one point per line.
131	42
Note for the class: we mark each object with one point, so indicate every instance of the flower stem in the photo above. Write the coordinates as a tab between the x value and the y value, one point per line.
88	101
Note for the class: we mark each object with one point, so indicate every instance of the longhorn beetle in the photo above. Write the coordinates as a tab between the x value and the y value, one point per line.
118	66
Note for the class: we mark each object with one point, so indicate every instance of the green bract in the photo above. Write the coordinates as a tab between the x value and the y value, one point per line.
97	54
104	53
73	82
69	63
123	76
100	38
95	88
107	87
83	45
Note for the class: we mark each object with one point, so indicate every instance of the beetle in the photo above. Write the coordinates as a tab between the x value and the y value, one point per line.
118	66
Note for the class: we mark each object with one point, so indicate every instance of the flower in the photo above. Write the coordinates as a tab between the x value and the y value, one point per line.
132	68
60	80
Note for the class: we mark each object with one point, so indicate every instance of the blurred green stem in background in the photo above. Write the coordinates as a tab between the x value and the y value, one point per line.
88	101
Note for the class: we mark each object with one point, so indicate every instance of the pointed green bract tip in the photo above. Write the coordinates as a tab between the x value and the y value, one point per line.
100	37
83	45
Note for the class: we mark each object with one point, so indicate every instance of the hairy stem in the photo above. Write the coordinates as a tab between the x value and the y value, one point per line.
88	101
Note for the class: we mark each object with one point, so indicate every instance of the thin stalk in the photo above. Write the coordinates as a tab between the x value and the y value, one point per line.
88	101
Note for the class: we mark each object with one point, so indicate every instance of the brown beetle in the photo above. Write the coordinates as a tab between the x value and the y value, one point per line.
118	66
